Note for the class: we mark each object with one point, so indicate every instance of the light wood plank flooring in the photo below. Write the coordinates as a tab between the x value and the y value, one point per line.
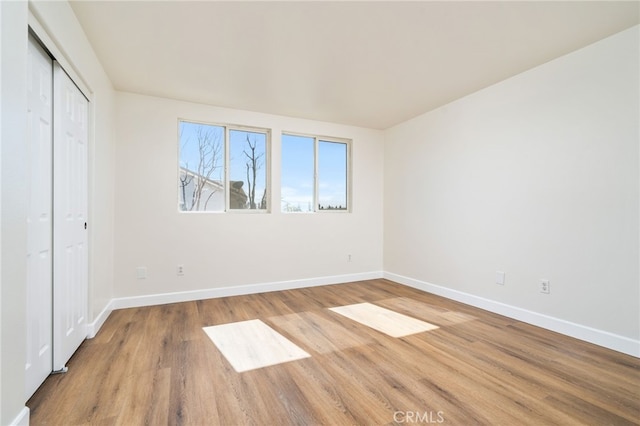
156	366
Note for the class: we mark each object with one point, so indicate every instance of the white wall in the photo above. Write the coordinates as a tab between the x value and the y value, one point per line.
537	176
214	247
1	59
13	172
66	38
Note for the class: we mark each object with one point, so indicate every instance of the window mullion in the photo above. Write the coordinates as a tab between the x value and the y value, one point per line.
316	180
227	186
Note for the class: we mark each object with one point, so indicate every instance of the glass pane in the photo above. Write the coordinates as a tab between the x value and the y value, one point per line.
332	175
201	178
297	174
247	170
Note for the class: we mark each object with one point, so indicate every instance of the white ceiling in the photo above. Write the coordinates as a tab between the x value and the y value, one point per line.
370	64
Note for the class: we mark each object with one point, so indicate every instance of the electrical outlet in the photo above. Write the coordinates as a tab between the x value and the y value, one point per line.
348	258
545	287
180	270
500	276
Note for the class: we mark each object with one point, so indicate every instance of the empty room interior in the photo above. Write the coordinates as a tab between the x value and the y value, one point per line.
321	212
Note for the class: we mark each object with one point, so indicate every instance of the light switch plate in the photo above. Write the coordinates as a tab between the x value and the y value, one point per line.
141	272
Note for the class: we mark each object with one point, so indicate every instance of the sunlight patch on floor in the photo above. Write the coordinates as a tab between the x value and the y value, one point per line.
384	320
249	345
426	312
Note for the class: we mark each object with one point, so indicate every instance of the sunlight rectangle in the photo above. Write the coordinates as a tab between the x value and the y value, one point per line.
249	345
384	320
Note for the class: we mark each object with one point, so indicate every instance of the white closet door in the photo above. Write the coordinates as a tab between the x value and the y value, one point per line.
70	268
39	222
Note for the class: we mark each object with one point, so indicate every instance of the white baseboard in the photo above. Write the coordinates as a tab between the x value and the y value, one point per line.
22	419
187	296
599	337
94	327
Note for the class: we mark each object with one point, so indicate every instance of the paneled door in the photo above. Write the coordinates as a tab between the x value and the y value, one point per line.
39	216
70	260
57	261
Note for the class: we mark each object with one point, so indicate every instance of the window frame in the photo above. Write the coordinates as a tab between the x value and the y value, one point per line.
316	178
227	165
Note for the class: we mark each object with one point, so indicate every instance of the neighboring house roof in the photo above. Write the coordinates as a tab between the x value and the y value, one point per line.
237	196
209	182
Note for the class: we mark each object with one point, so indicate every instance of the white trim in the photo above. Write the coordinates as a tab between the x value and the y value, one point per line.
95	326
2	195
58	54
22	419
187	296
599	337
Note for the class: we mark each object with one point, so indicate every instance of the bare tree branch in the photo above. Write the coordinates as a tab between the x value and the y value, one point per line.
209	149
253	164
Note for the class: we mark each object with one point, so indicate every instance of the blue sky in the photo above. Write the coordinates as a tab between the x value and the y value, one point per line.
189	155
296	180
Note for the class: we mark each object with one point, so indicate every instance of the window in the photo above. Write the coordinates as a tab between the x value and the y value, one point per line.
222	168
315	174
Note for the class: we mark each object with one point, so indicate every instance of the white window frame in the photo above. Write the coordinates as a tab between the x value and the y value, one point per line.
316	181
226	172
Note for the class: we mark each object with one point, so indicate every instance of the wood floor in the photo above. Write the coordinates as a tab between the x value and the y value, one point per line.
156	366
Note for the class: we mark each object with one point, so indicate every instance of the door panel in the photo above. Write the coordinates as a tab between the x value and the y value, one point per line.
39	217
70	273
